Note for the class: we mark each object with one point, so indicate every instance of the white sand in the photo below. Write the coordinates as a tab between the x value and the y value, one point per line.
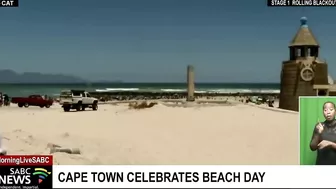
240	134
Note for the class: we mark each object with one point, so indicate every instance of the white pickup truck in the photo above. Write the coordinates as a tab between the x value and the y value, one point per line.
77	99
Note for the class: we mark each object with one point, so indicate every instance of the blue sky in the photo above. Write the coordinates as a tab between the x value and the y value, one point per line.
154	40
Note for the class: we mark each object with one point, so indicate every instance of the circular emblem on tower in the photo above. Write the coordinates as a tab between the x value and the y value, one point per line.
307	74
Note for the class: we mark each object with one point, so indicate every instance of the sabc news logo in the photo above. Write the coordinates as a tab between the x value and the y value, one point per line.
24	176
42	174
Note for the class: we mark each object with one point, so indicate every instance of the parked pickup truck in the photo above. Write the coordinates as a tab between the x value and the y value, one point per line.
32	100
77	99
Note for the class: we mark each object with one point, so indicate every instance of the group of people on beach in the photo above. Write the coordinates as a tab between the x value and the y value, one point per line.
4	99
259	100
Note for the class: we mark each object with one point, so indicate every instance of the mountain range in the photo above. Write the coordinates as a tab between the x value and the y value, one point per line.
10	76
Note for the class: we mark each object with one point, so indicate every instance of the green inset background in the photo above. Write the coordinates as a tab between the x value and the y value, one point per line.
311	111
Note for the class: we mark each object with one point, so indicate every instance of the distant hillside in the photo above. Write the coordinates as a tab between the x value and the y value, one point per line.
9	76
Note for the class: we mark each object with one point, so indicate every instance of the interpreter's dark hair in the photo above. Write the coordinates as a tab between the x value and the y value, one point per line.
329	102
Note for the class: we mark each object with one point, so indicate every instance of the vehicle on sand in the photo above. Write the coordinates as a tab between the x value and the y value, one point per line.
77	99
32	100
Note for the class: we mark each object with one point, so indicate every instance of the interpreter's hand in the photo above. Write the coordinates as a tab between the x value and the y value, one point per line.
319	128
323	144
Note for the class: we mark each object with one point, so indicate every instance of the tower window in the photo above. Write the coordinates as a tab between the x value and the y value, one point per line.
298	52
322	93
308	52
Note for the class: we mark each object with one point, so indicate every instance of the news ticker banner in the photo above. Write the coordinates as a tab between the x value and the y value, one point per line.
37	172
291	3
193	176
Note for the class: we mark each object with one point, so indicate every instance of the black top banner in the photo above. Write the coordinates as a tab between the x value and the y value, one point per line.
302	3
9	3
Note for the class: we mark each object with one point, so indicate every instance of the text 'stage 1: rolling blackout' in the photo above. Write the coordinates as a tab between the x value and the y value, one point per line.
302	3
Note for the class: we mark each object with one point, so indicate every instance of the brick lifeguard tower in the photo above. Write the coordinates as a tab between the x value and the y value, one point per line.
304	74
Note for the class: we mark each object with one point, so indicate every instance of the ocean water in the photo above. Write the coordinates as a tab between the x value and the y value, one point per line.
54	89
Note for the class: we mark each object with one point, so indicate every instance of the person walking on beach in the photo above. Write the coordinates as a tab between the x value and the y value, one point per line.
324	137
6	100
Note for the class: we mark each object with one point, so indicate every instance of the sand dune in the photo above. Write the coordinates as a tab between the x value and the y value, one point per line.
239	134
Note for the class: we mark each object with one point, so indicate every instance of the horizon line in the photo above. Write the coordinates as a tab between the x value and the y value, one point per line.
90	83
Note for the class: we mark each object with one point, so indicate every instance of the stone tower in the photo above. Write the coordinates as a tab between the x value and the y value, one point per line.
303	70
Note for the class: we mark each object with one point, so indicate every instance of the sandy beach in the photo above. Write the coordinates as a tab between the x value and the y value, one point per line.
226	134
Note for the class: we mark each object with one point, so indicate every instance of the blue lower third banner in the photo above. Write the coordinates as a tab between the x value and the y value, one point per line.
26	177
